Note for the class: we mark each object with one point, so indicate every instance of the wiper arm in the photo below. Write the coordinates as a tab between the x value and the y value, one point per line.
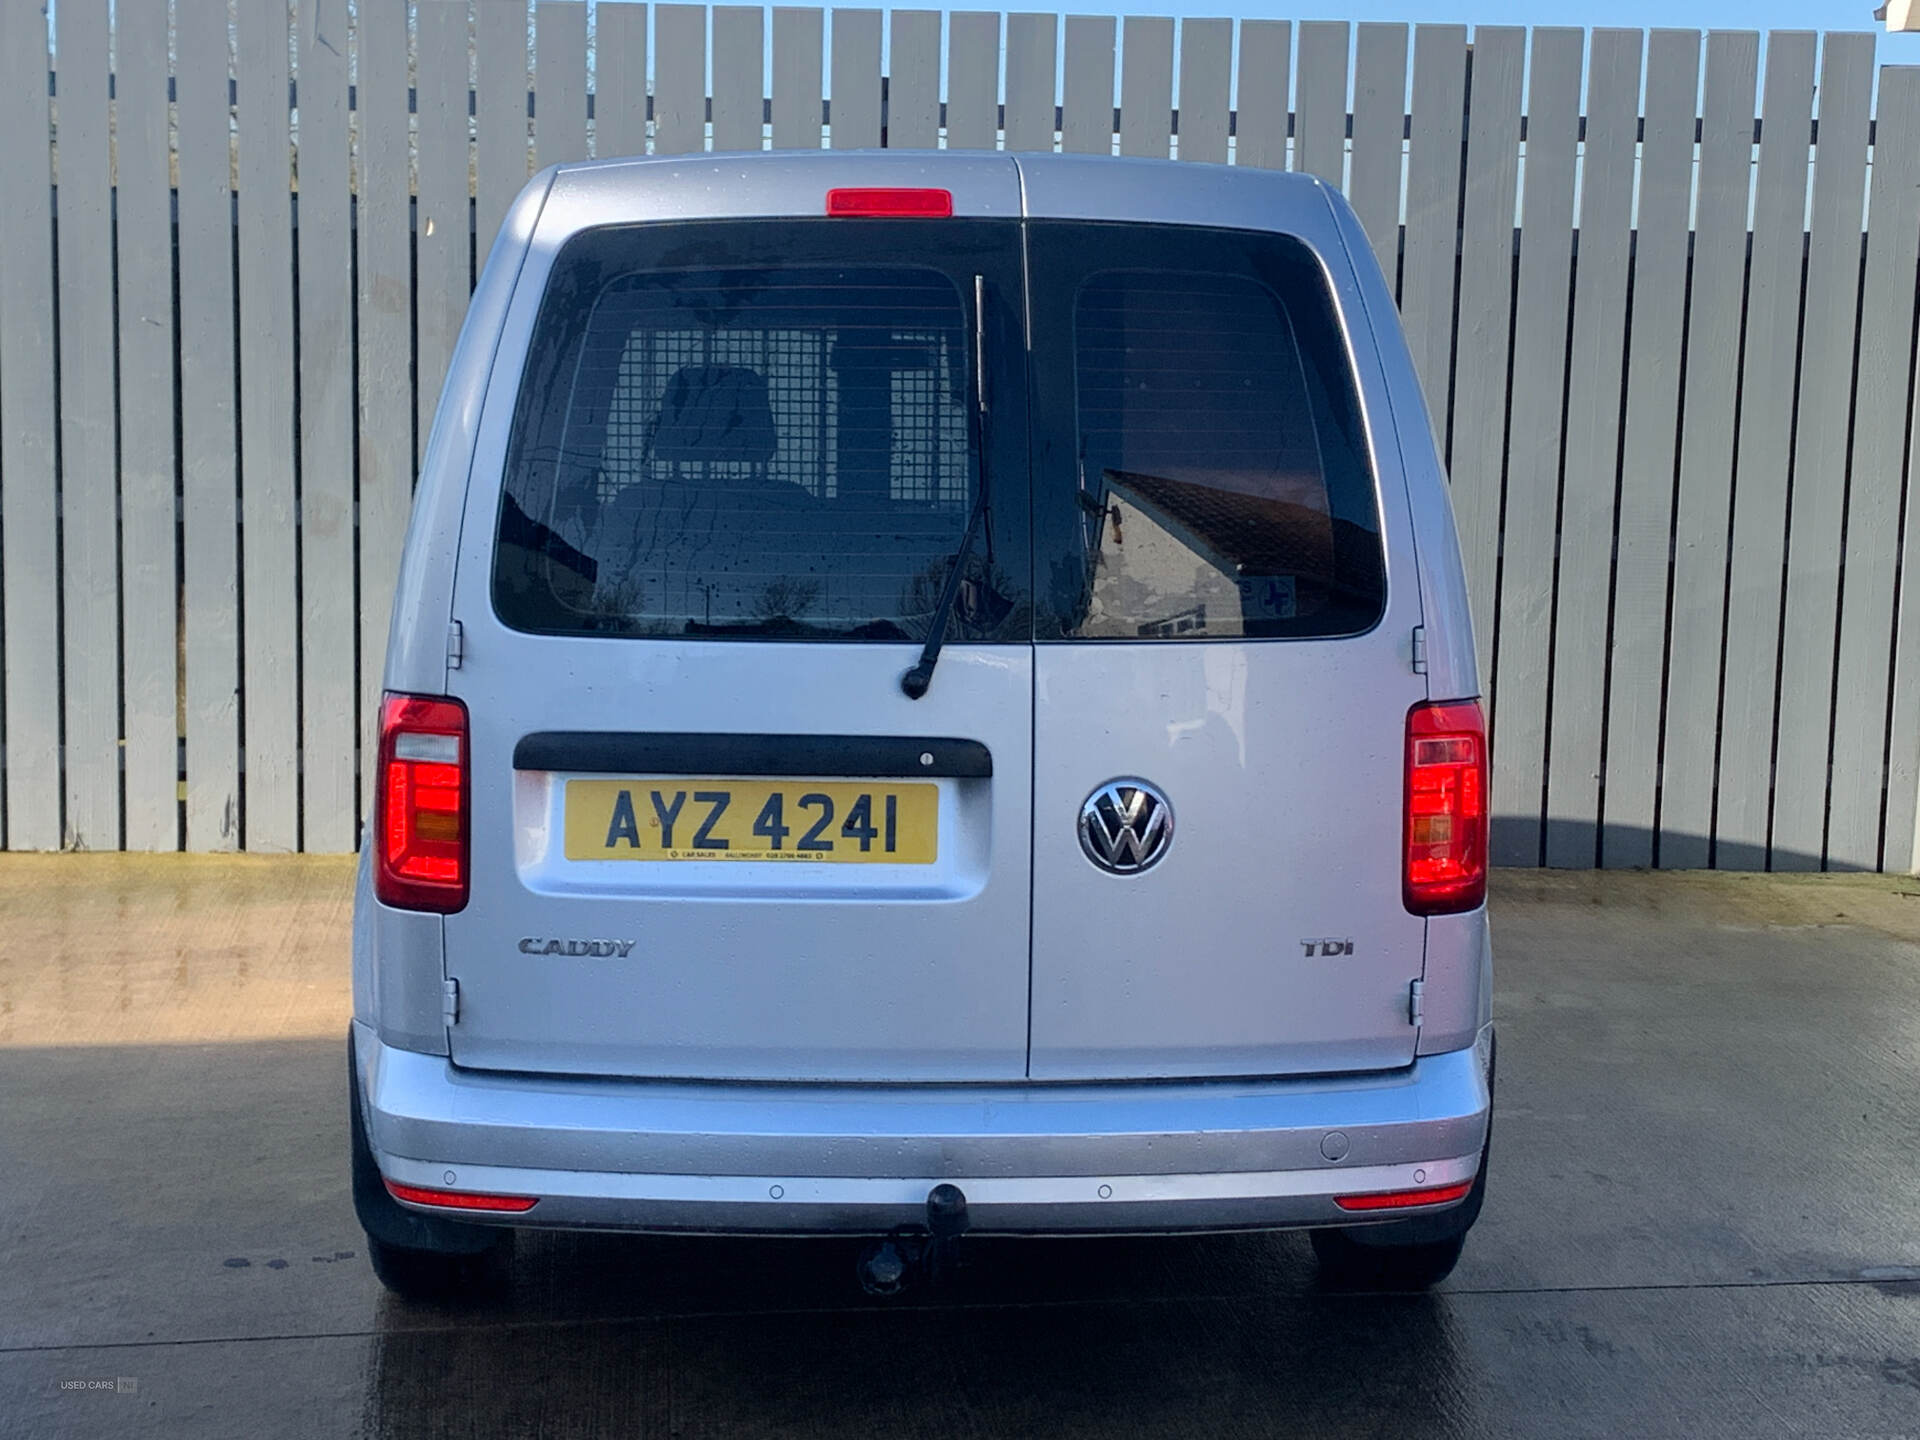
915	682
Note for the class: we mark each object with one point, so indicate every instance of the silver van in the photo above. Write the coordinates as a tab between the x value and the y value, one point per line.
928	692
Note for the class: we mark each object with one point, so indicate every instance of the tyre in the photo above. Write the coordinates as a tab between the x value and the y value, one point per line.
416	1256
438	1274
1346	1264
1412	1254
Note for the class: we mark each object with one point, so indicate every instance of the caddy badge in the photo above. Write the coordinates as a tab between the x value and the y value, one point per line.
540	945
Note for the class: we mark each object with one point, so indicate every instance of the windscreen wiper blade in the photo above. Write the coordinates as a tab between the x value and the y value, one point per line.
915	682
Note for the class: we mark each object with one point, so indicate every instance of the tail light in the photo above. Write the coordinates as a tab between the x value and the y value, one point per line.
420	814
1446	836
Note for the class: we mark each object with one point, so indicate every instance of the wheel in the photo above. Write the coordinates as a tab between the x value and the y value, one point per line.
1346	1264
1413	1254
416	1256
438	1274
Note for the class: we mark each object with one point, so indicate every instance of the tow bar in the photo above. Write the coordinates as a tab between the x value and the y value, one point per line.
912	1254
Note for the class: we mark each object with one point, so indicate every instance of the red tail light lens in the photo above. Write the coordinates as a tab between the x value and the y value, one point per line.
1446	866
890	204
420	813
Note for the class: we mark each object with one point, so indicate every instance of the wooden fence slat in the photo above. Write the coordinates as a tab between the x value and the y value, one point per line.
499	114
855	80
1478	420
1032	42
1711	399
149	605
1261	118
267	441
1320	127
442	227
210	511
1880	411
797	46
1649	450
679	79
1206	87
1521	653
1679	473
1086	98
739	50
973	80
28	425
620	80
1146	86
1590	474
560	82
89	553
383	232
1819	484
1433	207
913	81
324	240
1379	122
1765	447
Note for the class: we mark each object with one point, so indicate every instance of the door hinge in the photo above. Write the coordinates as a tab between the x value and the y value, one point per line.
450	1002
456	644
1416	1002
1419	649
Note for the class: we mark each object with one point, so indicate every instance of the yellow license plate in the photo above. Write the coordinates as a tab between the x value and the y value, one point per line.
853	822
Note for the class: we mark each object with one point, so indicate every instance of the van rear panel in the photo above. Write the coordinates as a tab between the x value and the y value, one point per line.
1204	470
741	460
731	475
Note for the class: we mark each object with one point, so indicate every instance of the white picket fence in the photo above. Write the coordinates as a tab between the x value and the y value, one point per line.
1671	367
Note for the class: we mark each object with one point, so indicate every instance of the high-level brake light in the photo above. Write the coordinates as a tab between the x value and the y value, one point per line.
421	810
890	203
1446	820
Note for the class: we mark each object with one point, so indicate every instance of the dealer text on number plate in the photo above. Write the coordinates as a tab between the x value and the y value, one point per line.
800	820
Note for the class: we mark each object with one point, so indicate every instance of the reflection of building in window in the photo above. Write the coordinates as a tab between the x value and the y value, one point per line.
1217	461
1178	558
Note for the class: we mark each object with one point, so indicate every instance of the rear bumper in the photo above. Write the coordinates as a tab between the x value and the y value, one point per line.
811	1159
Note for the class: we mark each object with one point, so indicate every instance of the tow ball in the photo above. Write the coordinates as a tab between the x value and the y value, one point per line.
914	1254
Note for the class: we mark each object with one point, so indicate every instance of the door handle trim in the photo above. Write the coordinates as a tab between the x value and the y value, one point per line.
880	757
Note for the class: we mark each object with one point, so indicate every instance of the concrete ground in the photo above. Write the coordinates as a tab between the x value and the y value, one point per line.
1704	1218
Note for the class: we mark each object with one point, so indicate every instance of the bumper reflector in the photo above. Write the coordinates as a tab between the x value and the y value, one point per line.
1405	1199
459	1200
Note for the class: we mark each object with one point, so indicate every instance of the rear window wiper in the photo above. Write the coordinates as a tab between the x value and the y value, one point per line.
915	682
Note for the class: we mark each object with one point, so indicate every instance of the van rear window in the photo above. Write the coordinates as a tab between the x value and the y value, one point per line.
1220	464
746	447
772	429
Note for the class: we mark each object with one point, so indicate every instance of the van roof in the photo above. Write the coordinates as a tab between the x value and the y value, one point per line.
983	183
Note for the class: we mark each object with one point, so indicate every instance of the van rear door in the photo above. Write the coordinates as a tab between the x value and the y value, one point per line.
711	835
1229	622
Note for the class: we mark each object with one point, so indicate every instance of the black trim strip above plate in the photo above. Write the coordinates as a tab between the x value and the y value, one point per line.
878	757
